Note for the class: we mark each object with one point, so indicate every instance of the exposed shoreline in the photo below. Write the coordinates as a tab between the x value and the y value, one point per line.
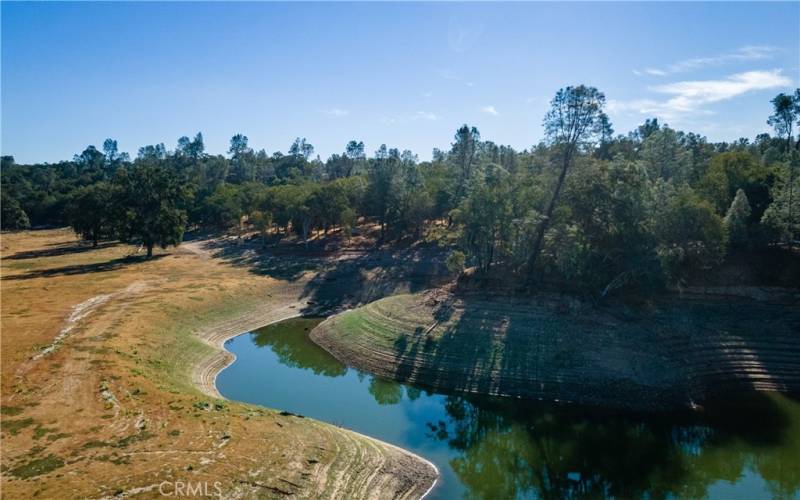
206	372
673	358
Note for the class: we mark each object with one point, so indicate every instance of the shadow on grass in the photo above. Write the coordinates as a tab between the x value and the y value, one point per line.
344	277
719	354
97	267
677	354
61	249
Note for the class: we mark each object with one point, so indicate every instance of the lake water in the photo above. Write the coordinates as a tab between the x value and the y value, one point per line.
501	448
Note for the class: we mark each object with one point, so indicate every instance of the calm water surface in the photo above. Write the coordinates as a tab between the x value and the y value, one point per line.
499	448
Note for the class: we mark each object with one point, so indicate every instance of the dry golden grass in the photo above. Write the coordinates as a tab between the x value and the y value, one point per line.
113	408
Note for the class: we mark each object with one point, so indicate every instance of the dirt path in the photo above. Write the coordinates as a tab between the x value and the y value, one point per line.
84	309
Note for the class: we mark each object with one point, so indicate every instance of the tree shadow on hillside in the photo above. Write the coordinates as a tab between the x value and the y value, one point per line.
679	355
467	353
360	279
77	269
61	249
660	453
281	265
343	278
736	346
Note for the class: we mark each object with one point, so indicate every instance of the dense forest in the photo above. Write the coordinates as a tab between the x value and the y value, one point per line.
598	211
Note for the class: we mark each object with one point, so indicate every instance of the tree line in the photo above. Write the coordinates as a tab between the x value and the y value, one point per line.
584	206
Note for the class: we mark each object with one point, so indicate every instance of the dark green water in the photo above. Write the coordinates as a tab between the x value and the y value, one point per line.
499	448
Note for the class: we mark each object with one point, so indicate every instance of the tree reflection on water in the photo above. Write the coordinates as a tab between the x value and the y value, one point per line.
296	350
512	449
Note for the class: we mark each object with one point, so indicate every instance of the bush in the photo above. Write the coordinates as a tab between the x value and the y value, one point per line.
455	262
13	216
691	236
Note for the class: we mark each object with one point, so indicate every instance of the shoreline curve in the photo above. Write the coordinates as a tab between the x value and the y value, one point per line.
205	373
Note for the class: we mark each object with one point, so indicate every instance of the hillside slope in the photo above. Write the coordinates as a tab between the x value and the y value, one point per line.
672	356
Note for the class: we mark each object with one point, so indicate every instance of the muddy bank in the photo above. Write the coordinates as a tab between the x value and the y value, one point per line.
672	356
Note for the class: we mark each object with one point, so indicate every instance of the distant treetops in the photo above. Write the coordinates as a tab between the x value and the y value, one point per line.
586	208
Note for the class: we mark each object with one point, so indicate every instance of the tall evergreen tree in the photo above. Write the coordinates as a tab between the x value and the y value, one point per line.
736	221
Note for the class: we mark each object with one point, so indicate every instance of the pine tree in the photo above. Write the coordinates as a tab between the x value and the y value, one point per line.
782	217
736	220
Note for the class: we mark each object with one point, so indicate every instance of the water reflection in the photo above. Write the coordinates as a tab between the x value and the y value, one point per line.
289	341
504	448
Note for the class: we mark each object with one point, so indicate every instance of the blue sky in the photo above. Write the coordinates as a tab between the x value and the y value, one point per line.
402	74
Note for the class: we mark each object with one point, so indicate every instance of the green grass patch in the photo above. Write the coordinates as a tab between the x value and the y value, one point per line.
14	426
40	431
134	438
94	444
37	467
10	411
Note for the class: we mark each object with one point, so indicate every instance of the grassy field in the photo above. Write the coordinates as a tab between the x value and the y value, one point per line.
675	354
100	352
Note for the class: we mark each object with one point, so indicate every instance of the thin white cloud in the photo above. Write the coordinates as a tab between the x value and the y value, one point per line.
417	115
690	94
746	53
655	72
691	97
490	110
425	115
335	112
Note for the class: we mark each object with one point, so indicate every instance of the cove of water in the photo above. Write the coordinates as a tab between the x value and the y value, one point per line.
497	448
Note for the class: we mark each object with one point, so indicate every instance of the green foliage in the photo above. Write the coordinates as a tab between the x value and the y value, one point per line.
349	218
463	157
13	216
786	109
735	170
610	243
664	156
262	221
690	234
91	212
782	218
151	205
224	208
455	262
582	210
485	218
736	221
575	117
